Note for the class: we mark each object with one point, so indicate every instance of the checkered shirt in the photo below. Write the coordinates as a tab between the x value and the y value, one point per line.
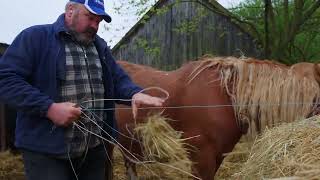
83	82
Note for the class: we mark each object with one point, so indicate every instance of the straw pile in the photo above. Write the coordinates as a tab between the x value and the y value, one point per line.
234	160
11	167
289	151
164	146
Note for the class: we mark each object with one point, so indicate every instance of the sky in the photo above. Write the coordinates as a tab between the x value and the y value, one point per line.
16	15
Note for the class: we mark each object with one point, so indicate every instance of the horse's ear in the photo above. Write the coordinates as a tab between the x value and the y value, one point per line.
317	72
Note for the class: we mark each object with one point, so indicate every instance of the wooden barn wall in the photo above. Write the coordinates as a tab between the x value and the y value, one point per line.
215	35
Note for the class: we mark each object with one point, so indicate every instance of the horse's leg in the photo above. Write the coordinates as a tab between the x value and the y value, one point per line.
131	170
206	163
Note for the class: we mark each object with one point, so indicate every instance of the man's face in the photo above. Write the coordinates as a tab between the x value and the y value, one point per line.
84	25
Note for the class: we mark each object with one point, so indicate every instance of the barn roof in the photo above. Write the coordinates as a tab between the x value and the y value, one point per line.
212	5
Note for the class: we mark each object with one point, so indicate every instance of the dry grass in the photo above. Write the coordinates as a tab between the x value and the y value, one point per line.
158	171
11	167
234	161
288	151
164	146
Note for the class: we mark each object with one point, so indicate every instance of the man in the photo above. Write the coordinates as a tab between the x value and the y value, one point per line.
56	75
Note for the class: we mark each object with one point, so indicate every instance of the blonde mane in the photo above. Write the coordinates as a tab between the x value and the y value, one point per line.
264	93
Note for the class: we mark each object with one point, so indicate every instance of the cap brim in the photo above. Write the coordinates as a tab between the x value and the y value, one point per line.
107	18
101	13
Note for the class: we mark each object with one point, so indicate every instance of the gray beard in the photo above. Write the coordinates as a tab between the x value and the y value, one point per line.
83	41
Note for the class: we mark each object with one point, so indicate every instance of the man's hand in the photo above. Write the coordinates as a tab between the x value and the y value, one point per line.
144	99
63	114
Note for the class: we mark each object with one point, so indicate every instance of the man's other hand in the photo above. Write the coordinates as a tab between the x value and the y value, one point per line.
63	114
144	99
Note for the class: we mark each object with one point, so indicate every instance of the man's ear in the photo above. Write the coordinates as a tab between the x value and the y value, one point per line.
69	10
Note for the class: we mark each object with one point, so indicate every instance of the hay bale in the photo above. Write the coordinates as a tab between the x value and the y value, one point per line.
164	146
290	151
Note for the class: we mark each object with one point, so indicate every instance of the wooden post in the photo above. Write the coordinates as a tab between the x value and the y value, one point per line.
3	139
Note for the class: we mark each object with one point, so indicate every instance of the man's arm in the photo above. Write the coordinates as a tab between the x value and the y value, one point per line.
16	66
126	89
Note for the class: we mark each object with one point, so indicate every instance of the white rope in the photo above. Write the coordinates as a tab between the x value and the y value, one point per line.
128	100
207	106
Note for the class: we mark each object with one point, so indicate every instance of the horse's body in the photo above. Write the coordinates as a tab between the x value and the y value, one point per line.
214	134
201	83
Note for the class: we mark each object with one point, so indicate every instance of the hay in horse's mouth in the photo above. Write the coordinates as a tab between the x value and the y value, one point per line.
164	145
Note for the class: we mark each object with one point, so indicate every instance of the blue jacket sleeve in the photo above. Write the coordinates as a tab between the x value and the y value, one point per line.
16	67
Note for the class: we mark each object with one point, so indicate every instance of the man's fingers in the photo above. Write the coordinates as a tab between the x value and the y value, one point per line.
134	110
157	101
147	99
76	111
64	114
144	99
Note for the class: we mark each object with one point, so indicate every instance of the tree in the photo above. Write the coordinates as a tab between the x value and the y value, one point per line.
287	29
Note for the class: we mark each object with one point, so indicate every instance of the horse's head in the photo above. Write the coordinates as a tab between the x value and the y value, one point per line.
307	70
317	72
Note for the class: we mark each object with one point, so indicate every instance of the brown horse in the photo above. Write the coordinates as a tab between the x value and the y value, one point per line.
220	99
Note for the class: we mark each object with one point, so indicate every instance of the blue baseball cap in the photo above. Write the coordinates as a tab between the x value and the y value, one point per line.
95	7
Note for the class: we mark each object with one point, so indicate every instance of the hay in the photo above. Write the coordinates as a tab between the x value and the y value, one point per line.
289	151
11	167
163	145
234	160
